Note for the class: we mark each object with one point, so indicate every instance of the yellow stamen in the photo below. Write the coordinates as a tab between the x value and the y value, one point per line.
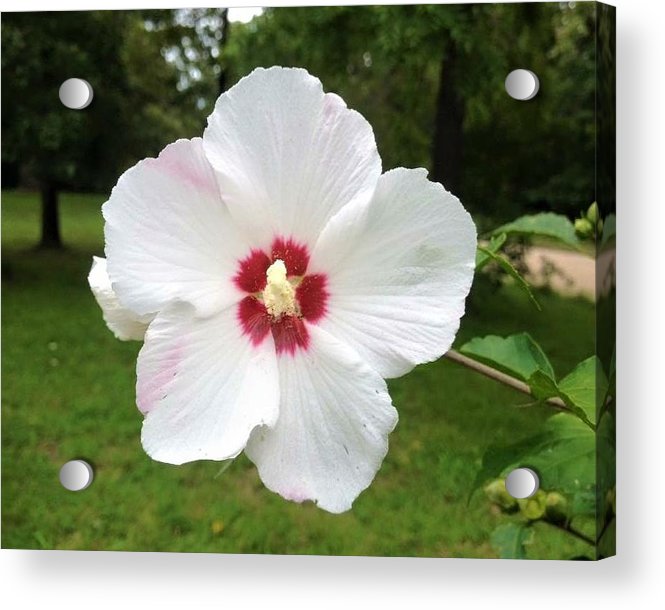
279	295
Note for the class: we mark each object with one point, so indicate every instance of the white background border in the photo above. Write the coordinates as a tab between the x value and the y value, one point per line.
634	579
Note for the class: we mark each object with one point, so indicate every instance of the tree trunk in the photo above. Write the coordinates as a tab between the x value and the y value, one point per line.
50	219
448	136
223	75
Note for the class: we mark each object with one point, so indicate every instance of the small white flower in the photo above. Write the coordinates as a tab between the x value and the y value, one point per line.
289	277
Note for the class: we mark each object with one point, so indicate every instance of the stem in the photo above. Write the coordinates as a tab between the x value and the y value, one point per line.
520	386
50	218
512	382
607	523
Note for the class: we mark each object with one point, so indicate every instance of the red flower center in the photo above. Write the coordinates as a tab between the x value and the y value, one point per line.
289	331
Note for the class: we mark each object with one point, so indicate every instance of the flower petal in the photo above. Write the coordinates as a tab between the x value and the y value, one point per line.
203	386
333	426
122	322
169	235
399	270
289	156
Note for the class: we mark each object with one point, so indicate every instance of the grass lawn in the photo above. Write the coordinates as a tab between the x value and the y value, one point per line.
68	392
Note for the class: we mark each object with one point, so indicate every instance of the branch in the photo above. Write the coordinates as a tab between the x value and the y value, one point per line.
492	373
573	532
606	525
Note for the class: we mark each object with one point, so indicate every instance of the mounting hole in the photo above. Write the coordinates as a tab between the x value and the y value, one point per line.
522	84
76	93
76	475
522	483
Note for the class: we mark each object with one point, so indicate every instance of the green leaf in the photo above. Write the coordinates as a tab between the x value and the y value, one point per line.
509	540
584	503
609	229
483	256
585	387
607	544
564	456
508	268
518	355
542	385
611	387
498	458
546	224
606	466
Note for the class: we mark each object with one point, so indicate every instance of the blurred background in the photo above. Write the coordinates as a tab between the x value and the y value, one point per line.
430	80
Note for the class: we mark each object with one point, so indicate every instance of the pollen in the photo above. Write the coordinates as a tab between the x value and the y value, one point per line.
279	295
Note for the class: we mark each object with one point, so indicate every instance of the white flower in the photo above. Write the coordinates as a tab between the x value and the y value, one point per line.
289	277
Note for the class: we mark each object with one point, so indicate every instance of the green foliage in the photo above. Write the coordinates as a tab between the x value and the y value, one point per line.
386	61
546	224
162	71
563	455
484	254
557	509
609	229
518	355
608	540
583	390
585	387
509	269
138	108
565	452
510	540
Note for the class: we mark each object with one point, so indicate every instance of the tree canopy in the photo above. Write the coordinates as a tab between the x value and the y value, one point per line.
428	78
388	61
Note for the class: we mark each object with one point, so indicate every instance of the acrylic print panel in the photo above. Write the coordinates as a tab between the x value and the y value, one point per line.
330	280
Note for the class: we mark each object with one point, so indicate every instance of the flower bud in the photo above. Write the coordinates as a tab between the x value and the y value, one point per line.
593	214
584	227
497	494
556	507
533	508
612	499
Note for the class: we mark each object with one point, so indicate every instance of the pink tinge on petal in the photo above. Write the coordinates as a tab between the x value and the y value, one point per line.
294	255
151	389
251	276
313	296
172	162
296	495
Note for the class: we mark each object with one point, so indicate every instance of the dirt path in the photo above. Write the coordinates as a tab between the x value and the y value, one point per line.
569	273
